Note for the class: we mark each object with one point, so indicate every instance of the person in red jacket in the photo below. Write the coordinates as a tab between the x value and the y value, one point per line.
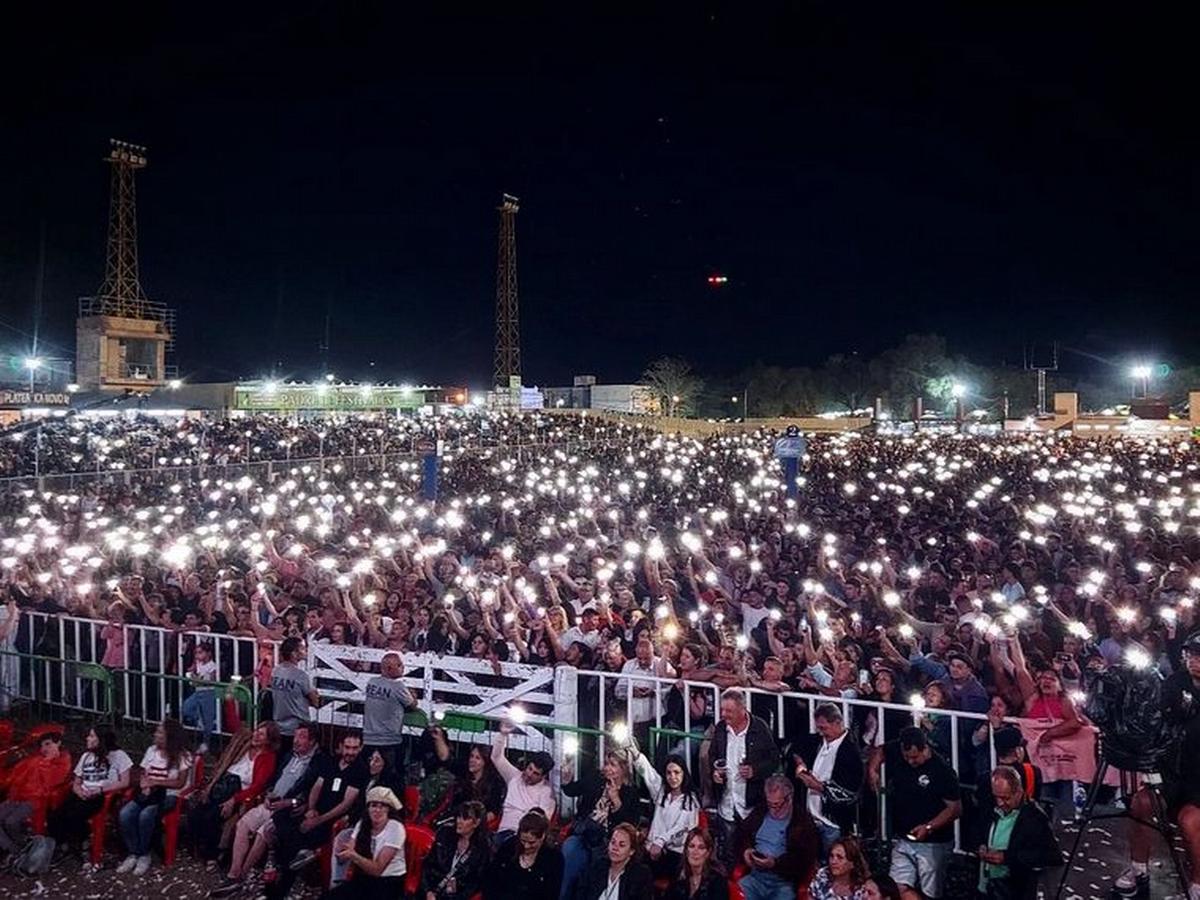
39	781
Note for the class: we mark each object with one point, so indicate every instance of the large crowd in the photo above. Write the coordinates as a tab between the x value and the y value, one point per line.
944	574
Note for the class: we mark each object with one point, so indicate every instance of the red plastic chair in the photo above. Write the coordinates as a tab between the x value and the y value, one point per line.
170	820
99	825
325	854
418	841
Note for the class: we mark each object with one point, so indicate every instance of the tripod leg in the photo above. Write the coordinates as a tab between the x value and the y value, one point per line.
1084	818
1163	826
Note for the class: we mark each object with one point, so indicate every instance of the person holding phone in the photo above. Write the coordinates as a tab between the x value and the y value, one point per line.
778	844
924	803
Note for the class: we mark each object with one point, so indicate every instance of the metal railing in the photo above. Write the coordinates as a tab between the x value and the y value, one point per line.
199	469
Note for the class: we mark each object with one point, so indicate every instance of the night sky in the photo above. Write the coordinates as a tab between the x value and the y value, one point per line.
857	171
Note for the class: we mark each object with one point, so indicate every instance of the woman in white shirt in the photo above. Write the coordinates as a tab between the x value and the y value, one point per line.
103	769
376	850
676	812
165	767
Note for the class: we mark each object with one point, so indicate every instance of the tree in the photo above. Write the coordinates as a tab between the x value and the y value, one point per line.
674	386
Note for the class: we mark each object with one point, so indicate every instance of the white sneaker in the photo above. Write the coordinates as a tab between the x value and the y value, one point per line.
143	865
127	865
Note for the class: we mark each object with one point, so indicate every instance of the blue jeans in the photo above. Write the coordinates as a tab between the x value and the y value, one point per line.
137	825
761	885
202	705
829	834
576	859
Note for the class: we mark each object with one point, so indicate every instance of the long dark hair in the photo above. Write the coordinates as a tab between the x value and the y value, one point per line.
684	873
688	790
859	870
362	840
106	743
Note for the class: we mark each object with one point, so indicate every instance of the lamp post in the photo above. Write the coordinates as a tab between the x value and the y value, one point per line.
958	391
1141	373
32	363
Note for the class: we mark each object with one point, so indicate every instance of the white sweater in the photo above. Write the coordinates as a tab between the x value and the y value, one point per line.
671	822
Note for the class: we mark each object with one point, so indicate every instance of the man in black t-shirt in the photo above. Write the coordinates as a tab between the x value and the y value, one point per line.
923	803
332	796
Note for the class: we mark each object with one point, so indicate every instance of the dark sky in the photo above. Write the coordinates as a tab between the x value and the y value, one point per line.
858	171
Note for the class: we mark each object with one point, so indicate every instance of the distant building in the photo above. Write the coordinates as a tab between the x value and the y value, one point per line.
585	393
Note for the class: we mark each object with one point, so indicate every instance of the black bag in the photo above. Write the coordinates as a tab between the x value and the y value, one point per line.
224	788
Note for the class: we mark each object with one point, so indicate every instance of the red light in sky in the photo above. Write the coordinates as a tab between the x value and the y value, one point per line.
717	279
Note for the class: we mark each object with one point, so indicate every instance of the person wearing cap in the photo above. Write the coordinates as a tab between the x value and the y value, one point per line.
966	693
375	848
1181	703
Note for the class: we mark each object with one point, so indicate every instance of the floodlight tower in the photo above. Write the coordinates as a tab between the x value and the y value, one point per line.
121	337
508	325
1030	365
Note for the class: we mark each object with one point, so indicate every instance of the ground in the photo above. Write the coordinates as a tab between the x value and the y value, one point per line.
1100	860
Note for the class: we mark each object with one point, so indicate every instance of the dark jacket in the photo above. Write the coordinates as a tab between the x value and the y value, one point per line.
762	753
589	788
506	880
1031	847
468	877
799	861
844	785
636	881
714	887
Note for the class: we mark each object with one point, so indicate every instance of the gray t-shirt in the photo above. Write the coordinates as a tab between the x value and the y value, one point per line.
290	687
383	712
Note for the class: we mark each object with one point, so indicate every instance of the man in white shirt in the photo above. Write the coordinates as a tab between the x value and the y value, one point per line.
527	788
641	694
830	771
742	754
586	632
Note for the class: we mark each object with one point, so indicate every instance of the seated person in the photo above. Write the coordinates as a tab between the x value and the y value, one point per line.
103	770
166	767
778	842
375	849
527	868
697	878
619	875
288	790
454	868
41	779
528	788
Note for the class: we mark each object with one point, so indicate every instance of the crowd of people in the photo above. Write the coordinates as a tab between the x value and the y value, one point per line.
945	574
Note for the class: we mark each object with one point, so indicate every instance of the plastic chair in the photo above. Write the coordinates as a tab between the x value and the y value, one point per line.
418	841
170	820
99	825
325	853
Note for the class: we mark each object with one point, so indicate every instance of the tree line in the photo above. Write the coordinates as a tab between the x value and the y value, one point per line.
921	365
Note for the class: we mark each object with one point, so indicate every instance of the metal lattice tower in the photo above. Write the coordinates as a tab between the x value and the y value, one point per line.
508	326
121	293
